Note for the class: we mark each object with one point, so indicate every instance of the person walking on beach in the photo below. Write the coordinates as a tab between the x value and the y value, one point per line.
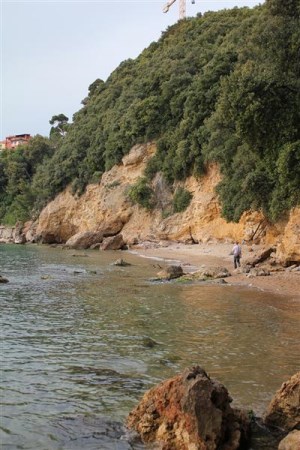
237	253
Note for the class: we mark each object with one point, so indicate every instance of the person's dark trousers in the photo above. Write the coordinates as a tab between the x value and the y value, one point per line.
236	261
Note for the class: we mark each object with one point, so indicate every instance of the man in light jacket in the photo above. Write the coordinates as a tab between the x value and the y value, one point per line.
237	253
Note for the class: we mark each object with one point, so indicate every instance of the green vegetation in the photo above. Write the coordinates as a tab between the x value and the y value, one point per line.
181	199
142	194
19	199
221	87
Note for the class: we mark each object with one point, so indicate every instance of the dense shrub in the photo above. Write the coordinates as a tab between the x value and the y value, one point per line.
181	199
142	194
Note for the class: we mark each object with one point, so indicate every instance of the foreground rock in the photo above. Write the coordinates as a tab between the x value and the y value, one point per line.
192	412
291	441
284	410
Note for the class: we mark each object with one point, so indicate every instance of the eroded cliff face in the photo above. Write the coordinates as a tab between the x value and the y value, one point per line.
106	207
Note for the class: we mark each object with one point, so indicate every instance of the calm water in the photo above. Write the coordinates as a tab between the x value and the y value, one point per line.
81	341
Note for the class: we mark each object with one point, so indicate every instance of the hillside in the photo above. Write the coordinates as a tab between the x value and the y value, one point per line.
221	88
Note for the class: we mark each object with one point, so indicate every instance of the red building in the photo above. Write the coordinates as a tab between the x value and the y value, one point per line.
14	141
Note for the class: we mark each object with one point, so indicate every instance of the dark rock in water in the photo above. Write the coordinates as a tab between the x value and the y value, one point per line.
3	280
190	411
284	409
170	273
148	342
120	262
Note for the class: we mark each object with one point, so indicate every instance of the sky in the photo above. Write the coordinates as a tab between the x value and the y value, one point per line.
51	51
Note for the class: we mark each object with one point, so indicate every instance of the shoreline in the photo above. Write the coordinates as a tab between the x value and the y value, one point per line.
193	257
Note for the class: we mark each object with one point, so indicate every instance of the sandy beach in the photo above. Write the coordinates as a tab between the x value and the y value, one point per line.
197	256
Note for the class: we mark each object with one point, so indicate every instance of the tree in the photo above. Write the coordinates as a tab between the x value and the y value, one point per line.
60	122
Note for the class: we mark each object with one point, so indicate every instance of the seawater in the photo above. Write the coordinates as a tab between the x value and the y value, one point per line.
83	339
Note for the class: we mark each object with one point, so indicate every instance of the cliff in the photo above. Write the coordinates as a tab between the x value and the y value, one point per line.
106	207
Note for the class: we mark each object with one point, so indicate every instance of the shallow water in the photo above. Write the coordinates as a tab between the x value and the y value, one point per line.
81	341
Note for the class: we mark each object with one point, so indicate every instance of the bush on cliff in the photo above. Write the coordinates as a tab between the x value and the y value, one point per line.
142	194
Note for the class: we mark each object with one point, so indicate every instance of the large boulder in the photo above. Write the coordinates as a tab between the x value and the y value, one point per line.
113	243
260	256
190	411
284	409
85	240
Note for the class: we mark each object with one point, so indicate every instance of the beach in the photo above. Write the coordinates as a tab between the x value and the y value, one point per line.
193	257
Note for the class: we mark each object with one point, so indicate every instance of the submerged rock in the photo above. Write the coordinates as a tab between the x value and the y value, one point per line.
190	411
121	262
3	279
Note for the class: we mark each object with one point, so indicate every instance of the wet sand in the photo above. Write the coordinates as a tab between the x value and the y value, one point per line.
197	256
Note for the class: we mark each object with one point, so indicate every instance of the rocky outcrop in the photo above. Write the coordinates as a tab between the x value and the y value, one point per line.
284	410
289	247
7	234
190	412
260	257
13	235
106	207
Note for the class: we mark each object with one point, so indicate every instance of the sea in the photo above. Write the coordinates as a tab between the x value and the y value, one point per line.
82	340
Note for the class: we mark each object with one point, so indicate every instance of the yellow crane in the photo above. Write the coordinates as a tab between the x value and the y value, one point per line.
182	7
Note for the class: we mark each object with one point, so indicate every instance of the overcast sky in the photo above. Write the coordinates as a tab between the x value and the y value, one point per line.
51	51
